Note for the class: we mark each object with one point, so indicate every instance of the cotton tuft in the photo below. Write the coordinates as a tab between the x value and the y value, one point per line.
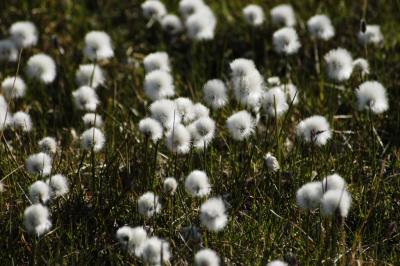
372	35
85	98
24	34
170	185
178	139
92	138
41	67
8	51
151	128
320	27
92	120
157	61
336	200
371	95
206	257
148	204
39	163
48	145
240	125
90	75
212	214
286	41
309	195
202	131
153	9
215	95
98	46
197	184
58	185
158	84
361	65
314	129
171	24
22	121
339	64
274	102
36	219
156	252
165	112
189	7
39	192
13	87
254	15
132	239
283	15
333	182
201	25
277	263
272	162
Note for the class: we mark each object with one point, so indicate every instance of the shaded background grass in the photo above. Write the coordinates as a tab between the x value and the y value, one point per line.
264	221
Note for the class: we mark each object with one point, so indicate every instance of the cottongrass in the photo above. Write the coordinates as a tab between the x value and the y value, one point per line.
206	257
13	87
22	121
240	125
170	185
92	139
156	252
212	214
165	112
274	102
215	94
333	182
286	41
41	67
315	130
153	9
254	15
132	239
272	162
178	139
92	120
338	200
148	204
39	192
372	35
320	27
151	128
201	24
8	51
90	75
158	84
184	106
202	131
339	64
371	95
85	98
171	24
309	195
98	46
36	219
189	7
157	61
24	34
361	65
48	145
39	163
283	15
58	184
277	263
197	184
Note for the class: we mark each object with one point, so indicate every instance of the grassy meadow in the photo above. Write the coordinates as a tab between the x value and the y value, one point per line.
264	221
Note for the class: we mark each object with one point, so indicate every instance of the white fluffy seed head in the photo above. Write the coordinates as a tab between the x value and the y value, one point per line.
22	121
254	15
39	163
240	125
272	162
48	145
309	195
58	185
165	112
132	239
320	27
85	98
291	92
171	24
5	115
13	87
206	257
158	84
98	46
36	219
189	7
93	138
314	129
241	67
283	15
277	263
8	51
333	182
201	25
156	252
41	67
361	65
286	41
90	75
372	35
371	95
148	204
274	102
202	131
199	111
24	34
151	128
339	64
157	61
212	214
39	192
197	184
215	93
92	120
170	185
178	139
185	108
153	9
336	200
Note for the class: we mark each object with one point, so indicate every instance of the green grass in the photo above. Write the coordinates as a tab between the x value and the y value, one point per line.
264	221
